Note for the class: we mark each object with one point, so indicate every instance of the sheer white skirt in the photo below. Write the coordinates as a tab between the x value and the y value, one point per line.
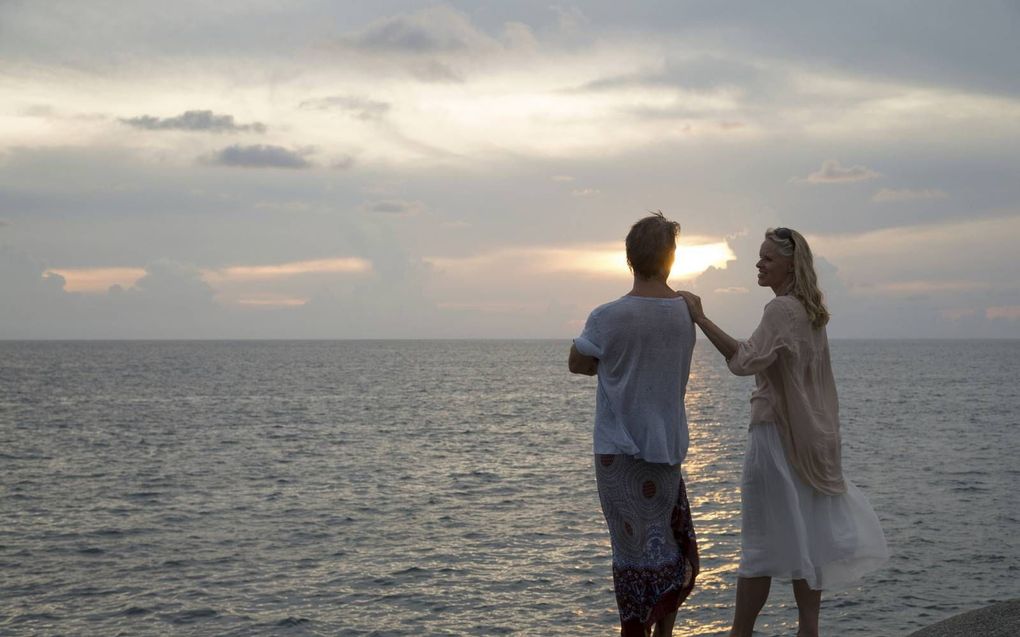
790	531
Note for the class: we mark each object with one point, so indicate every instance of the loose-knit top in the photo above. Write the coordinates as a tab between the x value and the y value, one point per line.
644	347
795	390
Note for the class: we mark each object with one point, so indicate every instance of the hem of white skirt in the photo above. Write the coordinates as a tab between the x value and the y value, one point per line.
832	576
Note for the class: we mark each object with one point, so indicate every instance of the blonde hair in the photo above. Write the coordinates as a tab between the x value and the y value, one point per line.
805	282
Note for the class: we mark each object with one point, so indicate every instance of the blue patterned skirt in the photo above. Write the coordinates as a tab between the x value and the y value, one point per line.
655	552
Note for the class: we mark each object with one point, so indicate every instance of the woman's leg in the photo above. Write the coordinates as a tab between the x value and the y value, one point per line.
664	627
751	595
808	603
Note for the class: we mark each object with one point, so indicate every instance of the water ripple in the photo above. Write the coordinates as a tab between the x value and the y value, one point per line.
431	488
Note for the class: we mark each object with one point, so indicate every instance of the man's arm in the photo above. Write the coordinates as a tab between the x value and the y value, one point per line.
578	363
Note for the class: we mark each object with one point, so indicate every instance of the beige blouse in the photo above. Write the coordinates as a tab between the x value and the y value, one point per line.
795	390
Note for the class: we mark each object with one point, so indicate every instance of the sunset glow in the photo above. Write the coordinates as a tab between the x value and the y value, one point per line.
609	260
257	272
304	164
98	279
601	260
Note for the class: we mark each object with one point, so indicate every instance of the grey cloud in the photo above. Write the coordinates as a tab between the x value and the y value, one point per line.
170	301
194	121
935	46
432	45
174	282
342	163
359	107
832	172
260	156
37	110
434	71
436	30
946	43
697	73
396	207
22	275
905	194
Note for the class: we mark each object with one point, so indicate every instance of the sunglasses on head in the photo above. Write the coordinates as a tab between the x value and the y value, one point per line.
785	234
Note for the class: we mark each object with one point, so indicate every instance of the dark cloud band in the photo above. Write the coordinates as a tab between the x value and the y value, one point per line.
194	121
260	156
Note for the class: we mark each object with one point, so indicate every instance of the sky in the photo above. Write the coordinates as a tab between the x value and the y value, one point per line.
396	169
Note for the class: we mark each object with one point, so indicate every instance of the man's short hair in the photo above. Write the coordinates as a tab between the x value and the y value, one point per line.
651	243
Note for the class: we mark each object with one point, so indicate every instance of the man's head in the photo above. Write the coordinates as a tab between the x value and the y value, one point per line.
651	246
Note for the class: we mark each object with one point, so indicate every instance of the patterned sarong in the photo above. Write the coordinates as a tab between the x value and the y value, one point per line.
650	527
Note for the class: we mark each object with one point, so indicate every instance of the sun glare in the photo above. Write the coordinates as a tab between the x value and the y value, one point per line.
691	259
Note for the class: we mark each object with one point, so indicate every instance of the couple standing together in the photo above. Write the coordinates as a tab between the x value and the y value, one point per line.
800	519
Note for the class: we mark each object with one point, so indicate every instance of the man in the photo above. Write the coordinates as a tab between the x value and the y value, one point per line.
640	348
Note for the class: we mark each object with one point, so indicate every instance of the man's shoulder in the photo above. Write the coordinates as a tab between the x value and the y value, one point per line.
608	307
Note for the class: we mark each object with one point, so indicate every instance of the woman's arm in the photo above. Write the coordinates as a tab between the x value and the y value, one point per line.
726	344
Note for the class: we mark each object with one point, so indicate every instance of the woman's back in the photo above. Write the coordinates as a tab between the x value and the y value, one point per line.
796	390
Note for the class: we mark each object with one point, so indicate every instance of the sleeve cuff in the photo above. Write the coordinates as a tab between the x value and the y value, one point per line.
587	348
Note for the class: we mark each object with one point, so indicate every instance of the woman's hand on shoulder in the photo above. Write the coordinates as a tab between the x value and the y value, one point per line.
693	305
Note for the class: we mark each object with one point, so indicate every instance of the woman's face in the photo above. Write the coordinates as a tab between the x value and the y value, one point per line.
774	270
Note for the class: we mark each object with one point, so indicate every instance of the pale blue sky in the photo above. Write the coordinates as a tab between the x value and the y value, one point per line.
469	169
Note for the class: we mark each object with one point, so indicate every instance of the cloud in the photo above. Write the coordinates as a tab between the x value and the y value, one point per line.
347	265
832	172
584	192
437	45
396	207
171	282
957	313
23	278
359	107
169	301
733	289
343	162
904	194
920	286
434	30
194	121
261	156
1008	312
569	18
97	279
699	72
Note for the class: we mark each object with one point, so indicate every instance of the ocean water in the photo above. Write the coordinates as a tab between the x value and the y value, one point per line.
446	488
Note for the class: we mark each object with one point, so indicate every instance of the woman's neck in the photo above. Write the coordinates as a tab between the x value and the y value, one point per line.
656	288
784	288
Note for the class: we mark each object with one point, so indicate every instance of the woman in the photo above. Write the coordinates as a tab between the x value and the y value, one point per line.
640	347
800	518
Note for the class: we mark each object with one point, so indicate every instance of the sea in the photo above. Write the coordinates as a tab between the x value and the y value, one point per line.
447	488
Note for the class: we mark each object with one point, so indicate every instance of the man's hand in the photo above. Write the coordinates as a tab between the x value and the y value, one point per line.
578	363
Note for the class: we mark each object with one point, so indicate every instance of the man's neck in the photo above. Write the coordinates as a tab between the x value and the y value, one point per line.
654	287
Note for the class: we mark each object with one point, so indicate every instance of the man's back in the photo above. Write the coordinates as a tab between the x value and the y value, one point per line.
644	346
